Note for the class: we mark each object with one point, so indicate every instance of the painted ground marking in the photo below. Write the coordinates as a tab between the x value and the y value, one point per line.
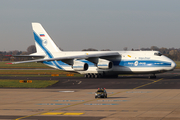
112	100
69	100
87	101
53	104
66	91
138	92
61	113
99	104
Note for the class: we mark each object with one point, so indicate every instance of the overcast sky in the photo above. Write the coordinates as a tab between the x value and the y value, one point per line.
99	24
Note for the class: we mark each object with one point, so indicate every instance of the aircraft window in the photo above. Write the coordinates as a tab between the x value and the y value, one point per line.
158	54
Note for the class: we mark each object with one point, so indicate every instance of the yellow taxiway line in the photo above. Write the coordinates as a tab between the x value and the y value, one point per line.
61	113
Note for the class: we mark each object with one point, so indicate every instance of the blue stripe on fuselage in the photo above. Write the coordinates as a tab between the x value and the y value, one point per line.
142	63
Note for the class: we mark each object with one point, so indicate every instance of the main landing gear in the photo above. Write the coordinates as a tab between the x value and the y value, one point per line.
93	75
153	76
99	75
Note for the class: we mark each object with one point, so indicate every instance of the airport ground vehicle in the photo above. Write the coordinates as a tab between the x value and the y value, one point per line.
101	93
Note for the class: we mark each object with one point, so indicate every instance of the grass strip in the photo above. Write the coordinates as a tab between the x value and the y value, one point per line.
6	75
33	72
34	84
32	65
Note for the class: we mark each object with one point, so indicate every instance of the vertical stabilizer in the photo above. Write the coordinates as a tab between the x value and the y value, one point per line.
44	44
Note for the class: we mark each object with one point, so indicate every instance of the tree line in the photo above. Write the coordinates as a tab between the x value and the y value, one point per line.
172	53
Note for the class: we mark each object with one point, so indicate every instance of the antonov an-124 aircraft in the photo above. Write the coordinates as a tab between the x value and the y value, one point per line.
95	64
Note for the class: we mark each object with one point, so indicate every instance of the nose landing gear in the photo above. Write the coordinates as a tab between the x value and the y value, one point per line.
153	76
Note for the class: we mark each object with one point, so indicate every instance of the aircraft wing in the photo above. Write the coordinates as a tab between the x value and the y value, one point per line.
85	56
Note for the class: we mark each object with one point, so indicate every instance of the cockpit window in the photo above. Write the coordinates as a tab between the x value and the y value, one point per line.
158	54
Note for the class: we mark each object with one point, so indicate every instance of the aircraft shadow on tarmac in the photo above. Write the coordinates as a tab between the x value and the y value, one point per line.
131	77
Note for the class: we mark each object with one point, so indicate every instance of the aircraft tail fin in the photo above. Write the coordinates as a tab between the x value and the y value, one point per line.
43	42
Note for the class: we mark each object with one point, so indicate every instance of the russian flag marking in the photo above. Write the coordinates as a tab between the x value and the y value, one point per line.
42	35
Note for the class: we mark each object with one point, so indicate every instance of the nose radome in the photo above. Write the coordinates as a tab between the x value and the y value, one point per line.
173	64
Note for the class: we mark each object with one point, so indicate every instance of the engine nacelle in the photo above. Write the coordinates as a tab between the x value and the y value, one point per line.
104	64
80	66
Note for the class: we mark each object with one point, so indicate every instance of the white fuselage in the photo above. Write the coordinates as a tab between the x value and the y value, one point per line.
127	63
96	63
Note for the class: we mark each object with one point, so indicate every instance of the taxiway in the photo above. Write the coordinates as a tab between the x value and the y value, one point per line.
129	97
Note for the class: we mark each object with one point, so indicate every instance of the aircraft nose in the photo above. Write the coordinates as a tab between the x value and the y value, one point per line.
173	65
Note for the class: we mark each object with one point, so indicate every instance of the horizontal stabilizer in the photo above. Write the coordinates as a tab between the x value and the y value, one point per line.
35	56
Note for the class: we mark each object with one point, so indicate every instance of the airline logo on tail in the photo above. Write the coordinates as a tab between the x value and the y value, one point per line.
44	42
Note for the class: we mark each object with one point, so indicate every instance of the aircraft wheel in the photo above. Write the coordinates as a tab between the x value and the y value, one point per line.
86	76
96	76
152	76
92	75
101	76
89	76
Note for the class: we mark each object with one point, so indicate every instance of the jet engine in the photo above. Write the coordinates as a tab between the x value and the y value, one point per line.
80	66
104	64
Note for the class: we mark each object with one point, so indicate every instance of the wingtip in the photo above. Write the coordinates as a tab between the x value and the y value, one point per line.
8	63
